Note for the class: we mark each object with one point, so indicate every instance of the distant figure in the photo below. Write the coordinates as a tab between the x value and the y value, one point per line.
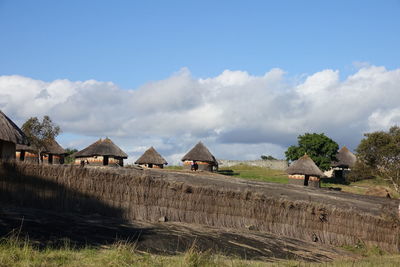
194	166
82	164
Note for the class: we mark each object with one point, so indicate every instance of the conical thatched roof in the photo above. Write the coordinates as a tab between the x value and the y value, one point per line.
25	148
52	148
201	153
102	147
345	158
11	132
151	156
304	165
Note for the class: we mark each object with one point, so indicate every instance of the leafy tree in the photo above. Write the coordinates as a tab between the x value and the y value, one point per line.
68	156
40	133
319	147
263	157
380	151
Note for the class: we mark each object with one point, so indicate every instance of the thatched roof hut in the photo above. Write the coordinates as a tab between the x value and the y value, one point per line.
53	153
304	171
151	158
10	132
10	135
201	156
101	152
345	159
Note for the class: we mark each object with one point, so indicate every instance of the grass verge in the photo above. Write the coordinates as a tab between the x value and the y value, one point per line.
14	252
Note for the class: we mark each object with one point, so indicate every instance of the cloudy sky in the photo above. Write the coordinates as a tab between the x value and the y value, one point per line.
245	77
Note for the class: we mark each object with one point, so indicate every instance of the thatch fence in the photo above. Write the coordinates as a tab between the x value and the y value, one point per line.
305	213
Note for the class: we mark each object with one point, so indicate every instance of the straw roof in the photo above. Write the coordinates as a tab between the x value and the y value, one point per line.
52	148
151	156
10	132
201	153
102	147
345	158
25	148
304	165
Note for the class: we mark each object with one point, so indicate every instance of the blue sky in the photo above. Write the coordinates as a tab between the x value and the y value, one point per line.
133	42
252	74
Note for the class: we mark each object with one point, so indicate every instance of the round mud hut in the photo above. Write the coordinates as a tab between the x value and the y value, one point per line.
304	172
27	153
101	153
345	161
10	136
52	154
151	159
200	158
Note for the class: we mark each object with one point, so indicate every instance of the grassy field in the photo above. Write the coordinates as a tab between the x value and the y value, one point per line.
14	252
276	176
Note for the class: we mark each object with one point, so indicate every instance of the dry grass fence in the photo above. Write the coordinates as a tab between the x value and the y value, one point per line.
147	195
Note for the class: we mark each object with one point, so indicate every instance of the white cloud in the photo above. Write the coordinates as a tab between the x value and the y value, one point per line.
238	115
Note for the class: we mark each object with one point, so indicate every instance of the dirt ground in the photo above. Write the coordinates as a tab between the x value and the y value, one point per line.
49	228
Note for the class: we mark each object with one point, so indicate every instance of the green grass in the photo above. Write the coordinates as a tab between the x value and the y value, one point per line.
361	187
268	175
256	173
173	167
14	252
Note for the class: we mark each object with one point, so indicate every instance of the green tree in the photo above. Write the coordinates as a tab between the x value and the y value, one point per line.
68	156
380	151
40	133
264	157
319	147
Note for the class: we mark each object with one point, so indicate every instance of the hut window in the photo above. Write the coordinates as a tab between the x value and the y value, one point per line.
306	178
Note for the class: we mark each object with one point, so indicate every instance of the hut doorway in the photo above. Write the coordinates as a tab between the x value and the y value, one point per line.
22	156
105	160
306	179
150	165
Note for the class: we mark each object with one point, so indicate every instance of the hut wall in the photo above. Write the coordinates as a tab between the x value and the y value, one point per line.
19	155
98	161
202	166
58	159
31	157
298	179
147	195
47	158
7	150
93	161
152	166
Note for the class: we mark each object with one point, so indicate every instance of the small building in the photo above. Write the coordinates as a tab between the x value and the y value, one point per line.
27	153
10	136
52	154
201	158
304	172
151	159
345	161
101	153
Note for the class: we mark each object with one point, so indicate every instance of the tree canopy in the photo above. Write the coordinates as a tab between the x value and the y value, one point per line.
380	151
40	133
319	147
269	157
